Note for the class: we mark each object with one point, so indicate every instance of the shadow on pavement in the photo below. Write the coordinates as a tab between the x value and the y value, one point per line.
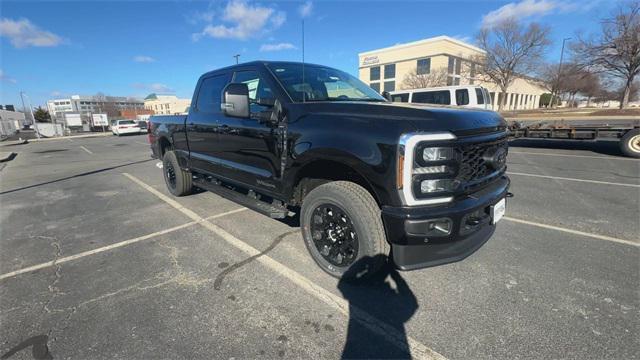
75	176
602	147
385	296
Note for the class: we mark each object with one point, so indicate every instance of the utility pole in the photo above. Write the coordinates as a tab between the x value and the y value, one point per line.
557	84
33	119
237	56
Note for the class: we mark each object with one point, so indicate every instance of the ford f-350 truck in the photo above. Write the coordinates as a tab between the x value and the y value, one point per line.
425	184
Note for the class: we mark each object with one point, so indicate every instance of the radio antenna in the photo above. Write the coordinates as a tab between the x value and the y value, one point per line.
303	83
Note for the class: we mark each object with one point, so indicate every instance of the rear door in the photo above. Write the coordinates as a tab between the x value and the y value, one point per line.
203	122
250	148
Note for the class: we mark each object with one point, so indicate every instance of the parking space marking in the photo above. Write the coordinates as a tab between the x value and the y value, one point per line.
85	149
141	143
575	232
112	246
572	179
373	324
570	155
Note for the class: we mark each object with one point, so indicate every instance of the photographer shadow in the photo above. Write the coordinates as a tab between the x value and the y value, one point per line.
385	296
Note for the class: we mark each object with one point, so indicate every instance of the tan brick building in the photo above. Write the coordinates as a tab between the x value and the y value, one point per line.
385	69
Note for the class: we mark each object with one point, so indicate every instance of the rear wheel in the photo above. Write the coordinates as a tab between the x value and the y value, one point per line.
630	143
343	231
179	182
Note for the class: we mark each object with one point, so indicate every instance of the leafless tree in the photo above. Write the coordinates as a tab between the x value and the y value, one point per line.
616	50
511	49
436	77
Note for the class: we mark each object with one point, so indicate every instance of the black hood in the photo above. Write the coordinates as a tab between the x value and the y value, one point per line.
460	121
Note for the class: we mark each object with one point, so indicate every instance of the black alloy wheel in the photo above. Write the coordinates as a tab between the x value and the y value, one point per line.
334	235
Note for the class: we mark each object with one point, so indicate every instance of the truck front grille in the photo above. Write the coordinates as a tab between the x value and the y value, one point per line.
474	170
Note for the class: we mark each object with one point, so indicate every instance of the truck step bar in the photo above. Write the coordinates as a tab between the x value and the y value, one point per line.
250	200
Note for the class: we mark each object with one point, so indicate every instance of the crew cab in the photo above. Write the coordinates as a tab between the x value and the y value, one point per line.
367	177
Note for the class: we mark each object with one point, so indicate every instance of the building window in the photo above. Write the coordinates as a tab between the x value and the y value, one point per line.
423	66
472	73
375	86
389	85
389	72
374	73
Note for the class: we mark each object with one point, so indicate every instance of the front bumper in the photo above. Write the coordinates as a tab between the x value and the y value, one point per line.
406	228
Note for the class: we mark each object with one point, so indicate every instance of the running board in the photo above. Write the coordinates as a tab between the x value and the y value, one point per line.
250	201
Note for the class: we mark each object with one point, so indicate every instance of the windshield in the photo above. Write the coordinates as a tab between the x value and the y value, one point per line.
322	84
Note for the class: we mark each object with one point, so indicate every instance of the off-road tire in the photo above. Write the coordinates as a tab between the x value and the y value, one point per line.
364	213
630	143
180	183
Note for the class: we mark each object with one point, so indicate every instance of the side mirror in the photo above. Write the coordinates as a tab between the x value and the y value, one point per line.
235	100
386	95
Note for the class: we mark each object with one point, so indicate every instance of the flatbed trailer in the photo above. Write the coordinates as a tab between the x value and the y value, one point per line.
628	136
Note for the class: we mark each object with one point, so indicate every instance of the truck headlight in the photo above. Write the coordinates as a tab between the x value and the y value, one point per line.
437	154
436	186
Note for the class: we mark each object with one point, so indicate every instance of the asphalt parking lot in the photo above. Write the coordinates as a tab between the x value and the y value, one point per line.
97	260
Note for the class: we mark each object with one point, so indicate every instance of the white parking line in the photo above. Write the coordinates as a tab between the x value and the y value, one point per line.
85	149
576	232
417	349
570	155
141	143
111	246
572	179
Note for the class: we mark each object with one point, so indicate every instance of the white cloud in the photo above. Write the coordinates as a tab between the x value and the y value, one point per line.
306	9
143	59
525	9
277	47
244	21
154	87
22	33
4	77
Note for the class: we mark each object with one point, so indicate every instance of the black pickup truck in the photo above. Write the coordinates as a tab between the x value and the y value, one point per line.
366	176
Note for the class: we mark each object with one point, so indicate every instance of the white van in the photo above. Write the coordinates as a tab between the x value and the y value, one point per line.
475	97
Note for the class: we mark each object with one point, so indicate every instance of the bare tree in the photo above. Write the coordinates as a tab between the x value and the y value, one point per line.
511	49
436	77
616	50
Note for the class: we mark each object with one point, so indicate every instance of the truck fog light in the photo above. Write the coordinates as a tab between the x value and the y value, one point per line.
434	186
437	154
430	169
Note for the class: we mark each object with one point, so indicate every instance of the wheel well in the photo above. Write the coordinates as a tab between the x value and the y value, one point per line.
163	145
323	171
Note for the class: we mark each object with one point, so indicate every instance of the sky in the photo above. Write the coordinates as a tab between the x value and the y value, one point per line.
51	49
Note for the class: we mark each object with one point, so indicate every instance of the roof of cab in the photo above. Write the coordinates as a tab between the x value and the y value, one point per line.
259	63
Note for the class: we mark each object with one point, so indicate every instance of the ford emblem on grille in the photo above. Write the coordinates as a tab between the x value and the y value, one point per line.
496	157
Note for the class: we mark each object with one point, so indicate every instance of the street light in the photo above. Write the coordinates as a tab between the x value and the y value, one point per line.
237	56
557	84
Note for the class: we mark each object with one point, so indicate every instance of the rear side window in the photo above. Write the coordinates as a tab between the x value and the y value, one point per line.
480	96
462	97
400	98
210	94
126	122
442	97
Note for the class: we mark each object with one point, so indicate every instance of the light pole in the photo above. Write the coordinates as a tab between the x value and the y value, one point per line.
237	56
557	84
33	119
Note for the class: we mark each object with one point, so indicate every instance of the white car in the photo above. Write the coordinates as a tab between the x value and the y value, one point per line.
120	127
475	97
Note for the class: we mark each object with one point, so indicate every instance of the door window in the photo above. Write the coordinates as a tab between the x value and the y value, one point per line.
400	97
480	96
462	97
210	94
432	97
258	89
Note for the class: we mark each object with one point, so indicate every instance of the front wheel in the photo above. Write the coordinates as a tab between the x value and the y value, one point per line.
343	231
630	143
179	182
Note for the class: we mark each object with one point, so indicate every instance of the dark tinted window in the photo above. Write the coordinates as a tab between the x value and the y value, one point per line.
375	86
390	71
462	97
389	85
480	96
400	98
210	93
432	97
424	66
374	73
